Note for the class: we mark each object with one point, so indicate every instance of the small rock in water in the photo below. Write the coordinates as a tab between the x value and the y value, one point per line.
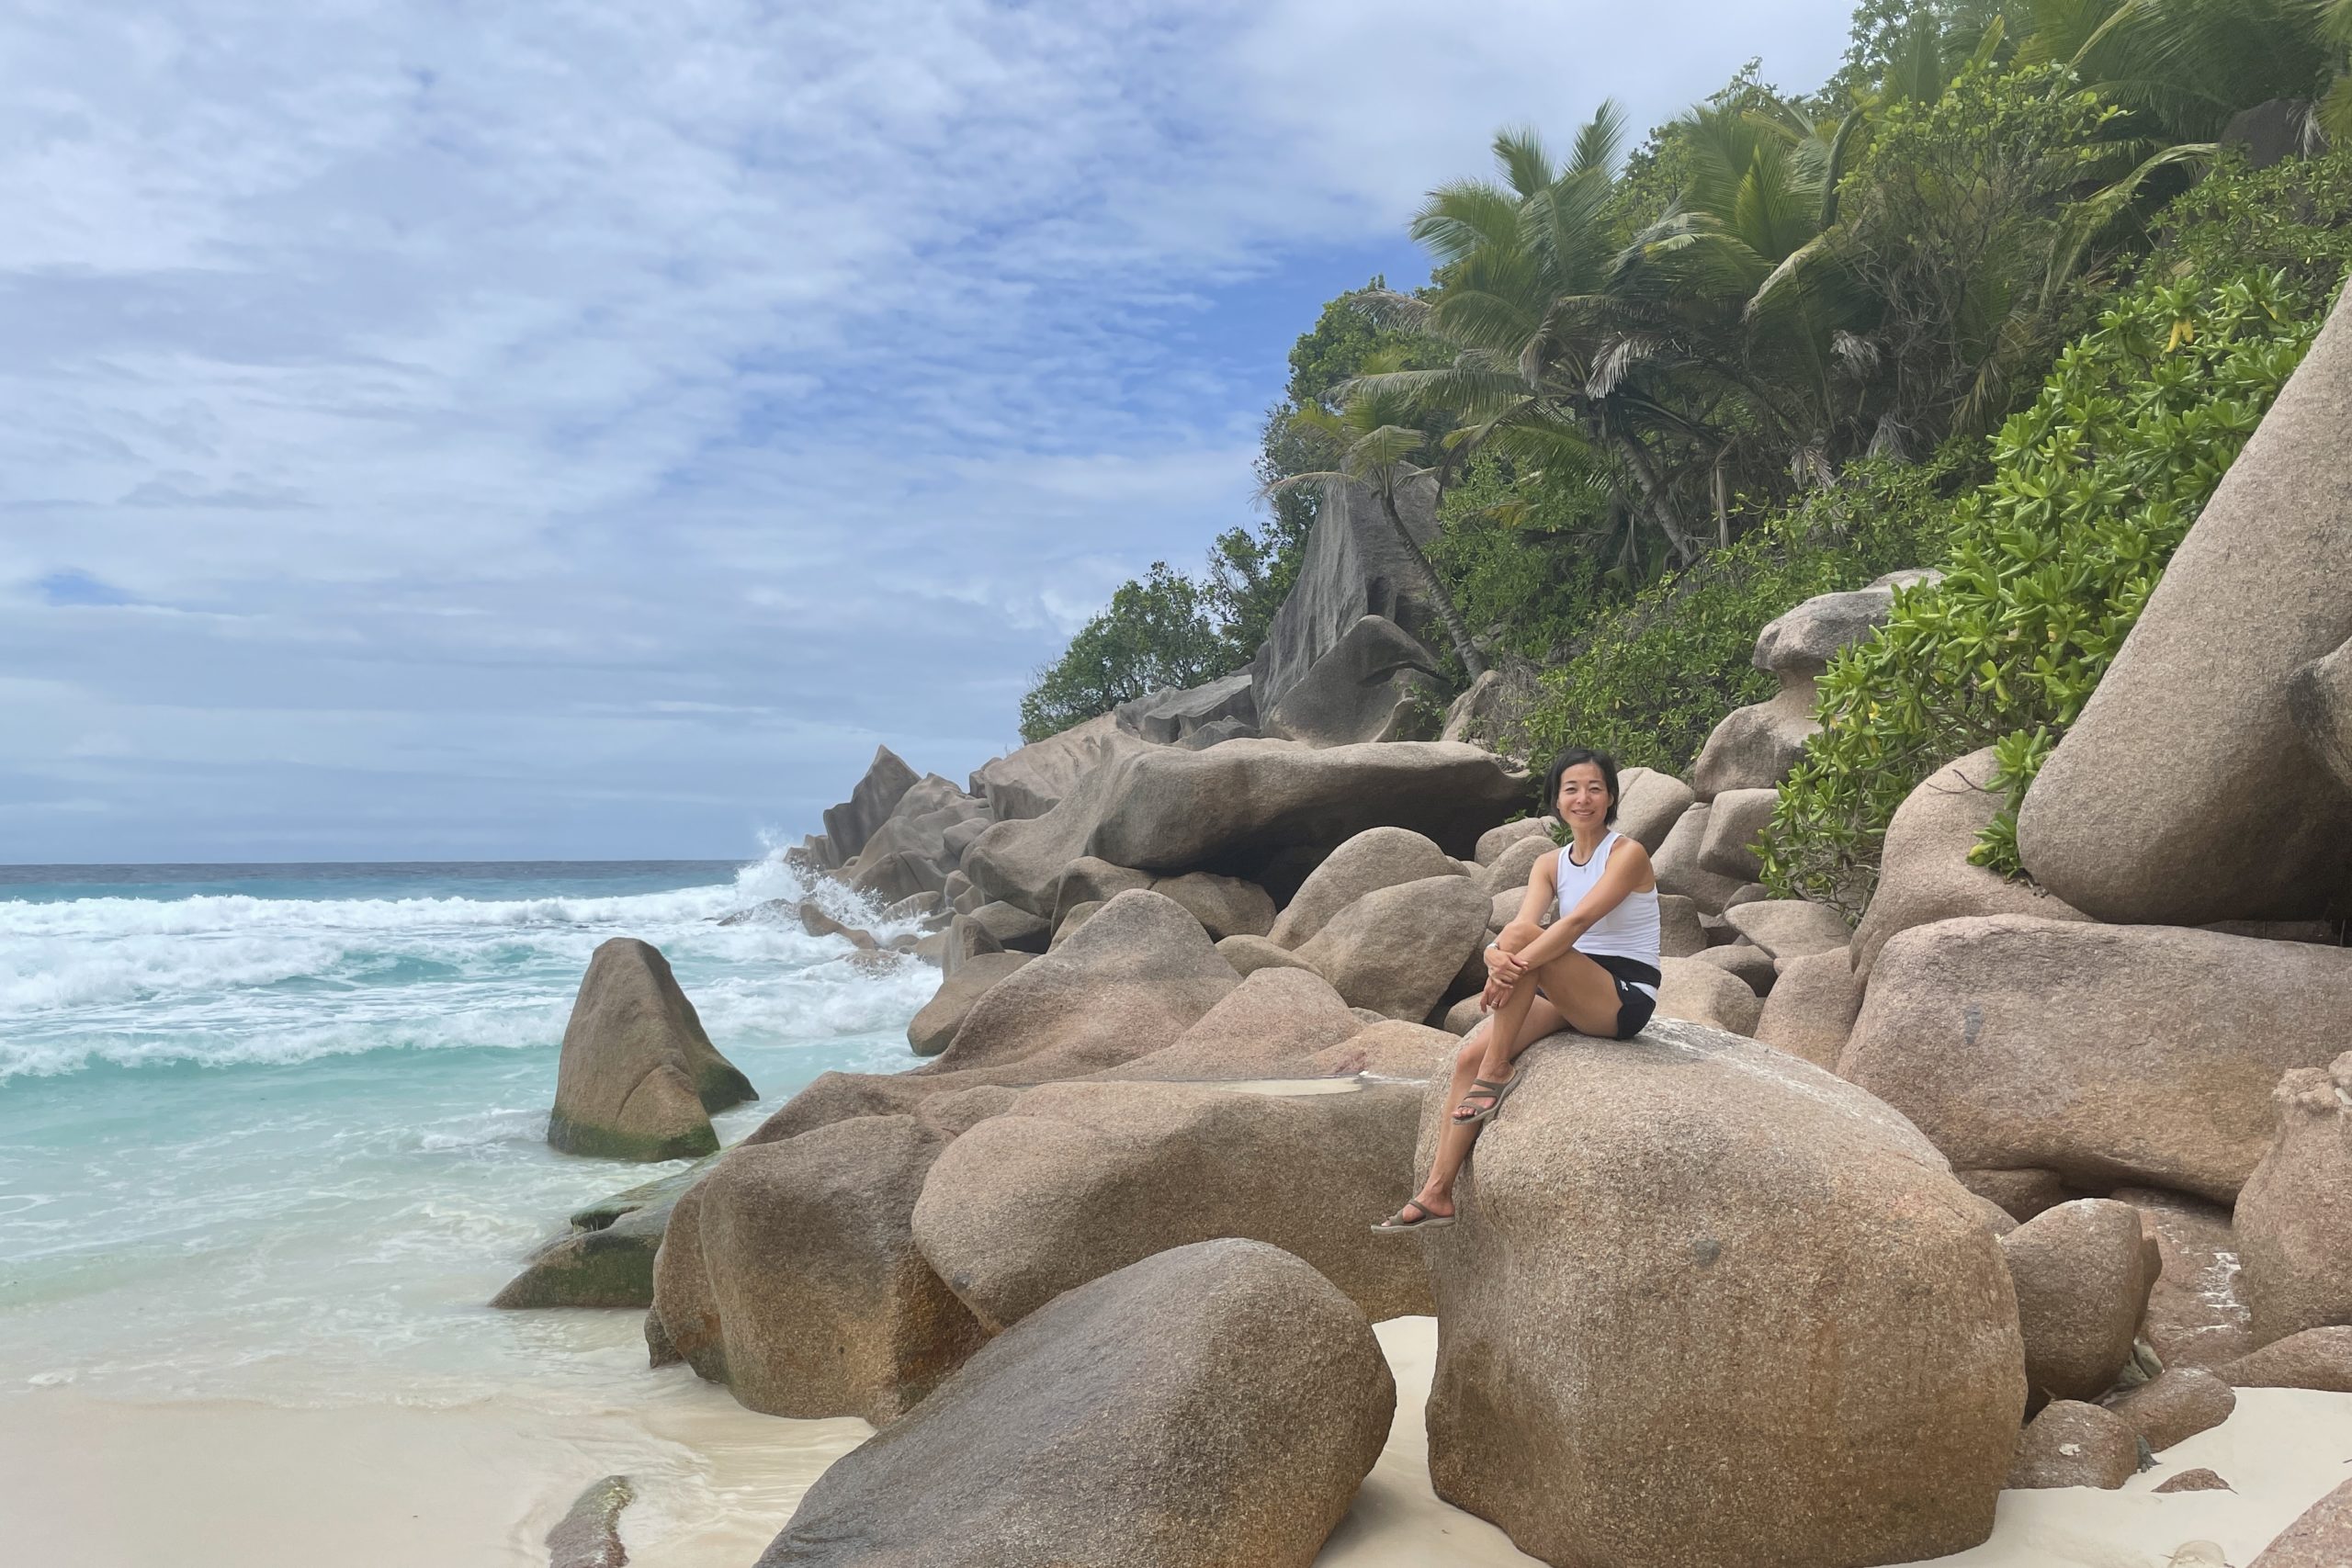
2199	1480
589	1535
2197	1555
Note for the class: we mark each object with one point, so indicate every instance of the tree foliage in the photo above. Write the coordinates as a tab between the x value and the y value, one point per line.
1172	628
2094	487
1157	633
1792	342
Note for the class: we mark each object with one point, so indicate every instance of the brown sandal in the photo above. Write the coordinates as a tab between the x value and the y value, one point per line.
1490	1091
1397	1224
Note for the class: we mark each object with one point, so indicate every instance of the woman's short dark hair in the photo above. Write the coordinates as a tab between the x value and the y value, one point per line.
1571	758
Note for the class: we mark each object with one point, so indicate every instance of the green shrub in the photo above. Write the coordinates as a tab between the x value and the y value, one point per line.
1519	558
2294	217
1156	633
1649	679
2093	487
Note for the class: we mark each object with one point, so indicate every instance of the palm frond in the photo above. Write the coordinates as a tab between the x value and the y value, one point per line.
1601	140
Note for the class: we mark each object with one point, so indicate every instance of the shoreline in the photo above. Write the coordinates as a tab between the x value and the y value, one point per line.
86	1480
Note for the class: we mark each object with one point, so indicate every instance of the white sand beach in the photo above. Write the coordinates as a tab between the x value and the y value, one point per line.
89	1482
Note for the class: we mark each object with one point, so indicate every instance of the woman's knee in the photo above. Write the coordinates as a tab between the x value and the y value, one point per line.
1472	1052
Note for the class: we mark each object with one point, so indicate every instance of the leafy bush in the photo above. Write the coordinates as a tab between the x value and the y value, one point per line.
1651	678
1516	555
1156	633
2294	217
2051	561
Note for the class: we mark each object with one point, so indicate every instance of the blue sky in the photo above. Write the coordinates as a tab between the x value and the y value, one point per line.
446	432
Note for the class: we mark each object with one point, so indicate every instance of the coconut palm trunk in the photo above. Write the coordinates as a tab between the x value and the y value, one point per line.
1455	628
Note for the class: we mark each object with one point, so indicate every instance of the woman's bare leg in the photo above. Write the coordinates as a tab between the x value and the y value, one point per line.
1537	1020
1591	996
1580	992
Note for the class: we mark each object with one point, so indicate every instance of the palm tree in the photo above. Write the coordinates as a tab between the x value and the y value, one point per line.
2185	68
1551	353
1376	437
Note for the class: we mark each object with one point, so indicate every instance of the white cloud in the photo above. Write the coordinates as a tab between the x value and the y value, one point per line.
411	362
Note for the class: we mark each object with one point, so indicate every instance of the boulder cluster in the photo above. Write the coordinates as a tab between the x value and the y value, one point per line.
2011	1185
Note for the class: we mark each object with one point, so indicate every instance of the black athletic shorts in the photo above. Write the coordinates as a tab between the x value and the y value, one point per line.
1634	1004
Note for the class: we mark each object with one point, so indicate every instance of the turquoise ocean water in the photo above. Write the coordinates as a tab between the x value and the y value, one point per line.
278	1132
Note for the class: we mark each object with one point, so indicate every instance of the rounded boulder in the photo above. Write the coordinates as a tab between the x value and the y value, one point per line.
1687	1261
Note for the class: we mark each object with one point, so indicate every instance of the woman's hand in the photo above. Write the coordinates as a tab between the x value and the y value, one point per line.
1504	971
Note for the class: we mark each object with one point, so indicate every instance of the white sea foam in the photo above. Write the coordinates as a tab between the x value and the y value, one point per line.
219	980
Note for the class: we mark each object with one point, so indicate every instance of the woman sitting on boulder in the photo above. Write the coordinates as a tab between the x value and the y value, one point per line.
1594	969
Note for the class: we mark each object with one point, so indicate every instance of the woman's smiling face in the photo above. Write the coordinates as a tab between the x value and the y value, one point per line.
1584	796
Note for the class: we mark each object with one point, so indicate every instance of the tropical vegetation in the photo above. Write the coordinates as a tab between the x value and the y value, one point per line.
1997	298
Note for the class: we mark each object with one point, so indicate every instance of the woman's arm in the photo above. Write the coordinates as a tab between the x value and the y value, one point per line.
1502	971
1528	924
1628	871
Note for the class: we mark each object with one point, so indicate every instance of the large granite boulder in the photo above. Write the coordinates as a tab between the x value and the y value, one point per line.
1515	867
2319	699
2190	742
1923	873
848	825
1688	1261
2082	1281
1353	566
1079	1180
1756	747
2294	1218
1735	819
1396	950
930	1029
1802	642
1206	1407
934	823
1377	682
1790	929
1676	862
2073	1443
886	878
1810	1010
1496	840
1374	859
1225	906
1088	880
1137	975
1164	717
1748	964
1249	954
1704	993
638	1077
1387	1050
2176	1403
1649	804
2197	1314
2317	1358
1250	801
605	1258
2110	1054
1032	781
1261	1028
2274	130
790	1274
2320	1538
1243	808
1681	932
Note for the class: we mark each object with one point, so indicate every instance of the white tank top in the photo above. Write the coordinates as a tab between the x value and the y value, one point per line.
1629	931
